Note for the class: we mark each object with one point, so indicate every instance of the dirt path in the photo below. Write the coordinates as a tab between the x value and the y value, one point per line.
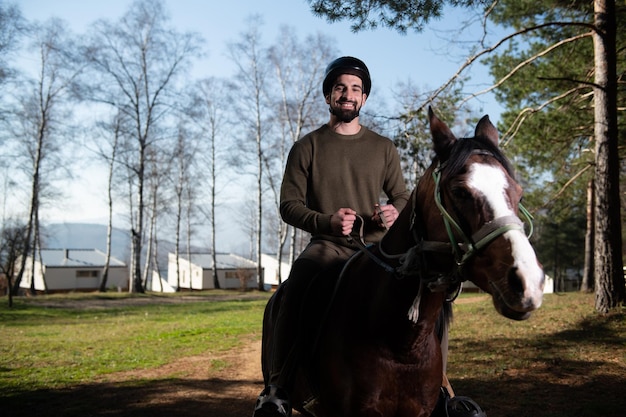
224	385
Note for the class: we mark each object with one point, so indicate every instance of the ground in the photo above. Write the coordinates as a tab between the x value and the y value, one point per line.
193	386
227	384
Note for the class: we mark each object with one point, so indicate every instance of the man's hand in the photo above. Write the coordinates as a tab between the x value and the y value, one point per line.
342	221
385	215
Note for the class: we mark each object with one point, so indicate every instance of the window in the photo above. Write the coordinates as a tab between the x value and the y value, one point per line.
87	274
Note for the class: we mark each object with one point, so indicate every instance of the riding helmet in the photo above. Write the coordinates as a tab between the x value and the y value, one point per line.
346	65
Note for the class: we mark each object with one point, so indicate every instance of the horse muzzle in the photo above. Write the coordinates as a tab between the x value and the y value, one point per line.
522	294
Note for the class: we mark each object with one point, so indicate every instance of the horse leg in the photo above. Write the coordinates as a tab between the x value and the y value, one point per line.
441	328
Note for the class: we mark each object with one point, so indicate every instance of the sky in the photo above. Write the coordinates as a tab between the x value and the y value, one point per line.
427	59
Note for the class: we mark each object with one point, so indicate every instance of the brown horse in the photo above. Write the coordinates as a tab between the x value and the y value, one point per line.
377	351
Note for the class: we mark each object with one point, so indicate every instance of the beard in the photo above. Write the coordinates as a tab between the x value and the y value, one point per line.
344	115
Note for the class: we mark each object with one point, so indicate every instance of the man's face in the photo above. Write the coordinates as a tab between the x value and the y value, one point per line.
346	97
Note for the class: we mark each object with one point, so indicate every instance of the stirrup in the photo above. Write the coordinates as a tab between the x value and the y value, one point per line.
457	406
272	402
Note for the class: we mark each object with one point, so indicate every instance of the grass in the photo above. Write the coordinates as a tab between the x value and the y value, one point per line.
565	361
56	347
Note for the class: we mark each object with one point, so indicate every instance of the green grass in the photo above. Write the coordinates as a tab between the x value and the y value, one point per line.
52	347
565	361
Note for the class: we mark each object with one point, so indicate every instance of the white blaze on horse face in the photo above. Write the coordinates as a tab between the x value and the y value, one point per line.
492	183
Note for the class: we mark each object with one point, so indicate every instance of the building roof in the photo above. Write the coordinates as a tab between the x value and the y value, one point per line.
76	258
224	261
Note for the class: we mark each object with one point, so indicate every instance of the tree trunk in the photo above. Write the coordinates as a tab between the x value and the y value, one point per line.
105	272
138	231
608	242
587	280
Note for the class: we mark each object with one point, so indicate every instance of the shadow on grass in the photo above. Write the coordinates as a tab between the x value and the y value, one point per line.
171	397
577	372
528	396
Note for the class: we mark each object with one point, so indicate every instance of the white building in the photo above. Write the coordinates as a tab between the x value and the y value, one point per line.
73	270
196	273
270	267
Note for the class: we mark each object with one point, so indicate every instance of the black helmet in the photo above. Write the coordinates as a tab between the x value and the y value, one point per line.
346	65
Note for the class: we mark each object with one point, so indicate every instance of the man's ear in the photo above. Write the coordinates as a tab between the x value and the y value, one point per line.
327	98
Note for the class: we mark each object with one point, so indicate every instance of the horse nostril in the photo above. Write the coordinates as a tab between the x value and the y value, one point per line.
515	282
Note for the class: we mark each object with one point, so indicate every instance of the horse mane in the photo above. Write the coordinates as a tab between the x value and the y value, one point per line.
465	147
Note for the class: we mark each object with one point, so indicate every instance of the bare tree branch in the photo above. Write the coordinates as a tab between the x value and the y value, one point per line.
470	60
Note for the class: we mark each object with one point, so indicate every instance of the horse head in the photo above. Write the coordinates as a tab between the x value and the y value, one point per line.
475	210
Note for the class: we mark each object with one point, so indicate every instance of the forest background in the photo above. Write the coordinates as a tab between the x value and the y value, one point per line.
173	147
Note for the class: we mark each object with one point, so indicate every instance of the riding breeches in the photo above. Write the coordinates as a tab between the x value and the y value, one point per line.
312	262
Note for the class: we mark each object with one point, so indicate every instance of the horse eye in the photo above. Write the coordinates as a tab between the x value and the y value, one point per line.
461	193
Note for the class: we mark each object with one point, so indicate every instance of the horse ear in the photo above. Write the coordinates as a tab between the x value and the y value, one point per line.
443	138
486	129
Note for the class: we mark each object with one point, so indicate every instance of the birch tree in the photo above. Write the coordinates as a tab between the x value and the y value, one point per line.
137	62
209	114
250	80
39	122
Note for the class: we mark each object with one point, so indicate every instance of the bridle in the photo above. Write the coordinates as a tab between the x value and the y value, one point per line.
413	261
488	232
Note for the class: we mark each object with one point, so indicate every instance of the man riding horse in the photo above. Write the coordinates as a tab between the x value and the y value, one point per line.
334	176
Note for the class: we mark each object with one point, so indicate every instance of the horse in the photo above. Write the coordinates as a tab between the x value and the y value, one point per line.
376	351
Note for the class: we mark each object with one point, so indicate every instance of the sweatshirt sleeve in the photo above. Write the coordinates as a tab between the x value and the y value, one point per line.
293	193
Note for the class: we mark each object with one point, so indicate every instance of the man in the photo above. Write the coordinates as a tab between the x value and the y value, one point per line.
333	175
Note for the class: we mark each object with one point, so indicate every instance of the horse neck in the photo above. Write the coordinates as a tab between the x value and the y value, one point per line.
399	238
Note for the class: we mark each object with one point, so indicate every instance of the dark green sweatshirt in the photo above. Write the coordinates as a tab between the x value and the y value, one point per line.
327	171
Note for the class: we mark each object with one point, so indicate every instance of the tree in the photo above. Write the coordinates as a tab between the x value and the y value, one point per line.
555	96
400	14
411	131
609	272
252	72
185	151
136	63
208	114
114	128
608	262
12	246
39	122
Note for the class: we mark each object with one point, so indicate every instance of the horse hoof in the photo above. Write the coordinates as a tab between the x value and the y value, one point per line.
464	407
272	402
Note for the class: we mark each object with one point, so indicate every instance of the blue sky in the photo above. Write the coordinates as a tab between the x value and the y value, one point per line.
426	60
